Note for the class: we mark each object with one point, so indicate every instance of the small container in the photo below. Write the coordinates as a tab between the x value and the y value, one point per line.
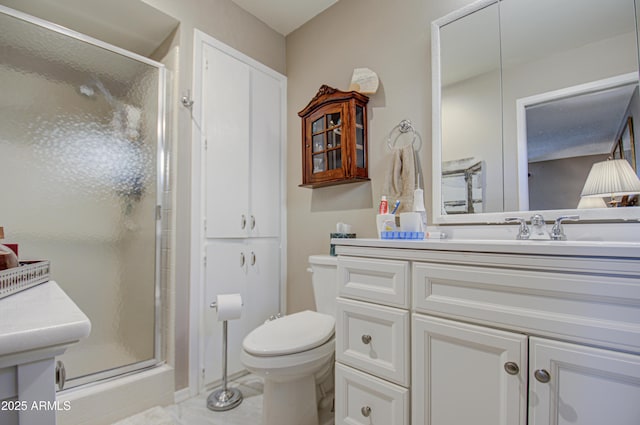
8	256
384	206
332	248
385	223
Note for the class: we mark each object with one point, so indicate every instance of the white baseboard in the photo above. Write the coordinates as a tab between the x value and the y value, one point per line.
182	395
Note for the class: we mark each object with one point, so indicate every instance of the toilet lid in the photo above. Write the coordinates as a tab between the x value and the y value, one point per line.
290	334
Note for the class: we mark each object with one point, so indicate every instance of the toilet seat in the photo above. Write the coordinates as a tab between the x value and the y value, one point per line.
290	334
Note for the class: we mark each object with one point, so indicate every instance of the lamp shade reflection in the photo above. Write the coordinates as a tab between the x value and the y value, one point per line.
611	178
591	202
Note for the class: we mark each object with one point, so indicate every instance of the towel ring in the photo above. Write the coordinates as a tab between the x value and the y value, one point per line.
405	126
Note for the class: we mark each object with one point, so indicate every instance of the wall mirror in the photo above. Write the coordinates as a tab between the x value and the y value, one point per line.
527	96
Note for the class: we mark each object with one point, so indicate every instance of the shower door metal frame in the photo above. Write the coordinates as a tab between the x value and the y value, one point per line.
160	186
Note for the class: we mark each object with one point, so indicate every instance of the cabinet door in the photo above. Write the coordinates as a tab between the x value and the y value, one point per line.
325	132
266	166
226	273
226	111
586	386
262	295
459	374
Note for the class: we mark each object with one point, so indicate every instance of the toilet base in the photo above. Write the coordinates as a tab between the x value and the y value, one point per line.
290	402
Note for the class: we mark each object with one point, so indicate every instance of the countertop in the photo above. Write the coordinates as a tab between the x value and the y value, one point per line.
40	317
530	247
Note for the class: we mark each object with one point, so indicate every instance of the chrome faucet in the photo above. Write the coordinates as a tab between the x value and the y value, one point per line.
557	232
539	228
523	231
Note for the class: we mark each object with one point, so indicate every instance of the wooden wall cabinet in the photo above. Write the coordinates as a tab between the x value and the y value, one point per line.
334	138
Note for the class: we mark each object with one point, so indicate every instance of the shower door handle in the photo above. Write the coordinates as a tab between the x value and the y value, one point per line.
61	375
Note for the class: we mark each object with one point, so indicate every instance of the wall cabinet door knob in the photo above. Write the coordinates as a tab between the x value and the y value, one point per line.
511	368
366	411
253	222
366	339
542	376
243	221
242	260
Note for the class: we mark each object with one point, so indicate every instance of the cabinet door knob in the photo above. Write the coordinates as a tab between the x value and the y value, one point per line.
253	222
61	375
511	368
253	258
242	260
366	411
542	376
366	339
243	221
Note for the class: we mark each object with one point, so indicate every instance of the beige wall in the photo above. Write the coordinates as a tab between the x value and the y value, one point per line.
393	38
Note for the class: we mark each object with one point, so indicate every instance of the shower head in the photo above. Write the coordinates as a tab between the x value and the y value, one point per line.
87	90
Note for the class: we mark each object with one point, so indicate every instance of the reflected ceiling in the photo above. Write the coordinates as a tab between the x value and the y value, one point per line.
557	130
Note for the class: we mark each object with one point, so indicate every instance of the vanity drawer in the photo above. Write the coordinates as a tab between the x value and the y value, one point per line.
373	338
362	399
375	280
590	309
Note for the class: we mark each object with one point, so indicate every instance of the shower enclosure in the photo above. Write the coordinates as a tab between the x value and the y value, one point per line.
81	166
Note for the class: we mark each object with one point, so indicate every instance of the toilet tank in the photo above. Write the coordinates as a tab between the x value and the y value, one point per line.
324	278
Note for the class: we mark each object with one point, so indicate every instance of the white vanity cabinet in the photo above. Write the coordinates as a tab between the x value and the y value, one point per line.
36	325
372	342
498	337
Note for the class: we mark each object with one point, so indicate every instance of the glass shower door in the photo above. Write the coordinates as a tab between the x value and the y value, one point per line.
80	161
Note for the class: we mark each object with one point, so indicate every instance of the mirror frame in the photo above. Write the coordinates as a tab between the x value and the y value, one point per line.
596	214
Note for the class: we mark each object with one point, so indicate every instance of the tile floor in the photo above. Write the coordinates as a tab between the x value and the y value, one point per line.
194	410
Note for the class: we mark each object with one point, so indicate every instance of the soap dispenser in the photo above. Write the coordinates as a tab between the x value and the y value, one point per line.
8	258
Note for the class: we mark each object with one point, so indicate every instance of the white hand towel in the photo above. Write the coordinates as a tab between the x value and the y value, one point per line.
401	178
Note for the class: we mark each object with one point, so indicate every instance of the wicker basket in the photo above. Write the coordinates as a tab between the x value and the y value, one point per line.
28	274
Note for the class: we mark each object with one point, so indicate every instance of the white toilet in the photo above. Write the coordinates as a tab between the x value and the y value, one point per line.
294	354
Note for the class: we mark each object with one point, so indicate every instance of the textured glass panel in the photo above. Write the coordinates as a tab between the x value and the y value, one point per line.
318	125
318	142
78	144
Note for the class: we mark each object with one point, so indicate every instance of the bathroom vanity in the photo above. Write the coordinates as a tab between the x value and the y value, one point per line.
487	332
36	325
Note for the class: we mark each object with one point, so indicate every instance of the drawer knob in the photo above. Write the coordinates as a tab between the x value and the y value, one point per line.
542	376
511	368
366	339
366	411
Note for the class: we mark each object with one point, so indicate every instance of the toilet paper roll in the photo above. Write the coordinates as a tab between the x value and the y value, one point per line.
229	306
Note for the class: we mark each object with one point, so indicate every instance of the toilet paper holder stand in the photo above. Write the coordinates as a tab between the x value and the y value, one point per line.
223	398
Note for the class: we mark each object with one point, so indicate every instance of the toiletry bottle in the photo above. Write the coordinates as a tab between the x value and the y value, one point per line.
418	206
384	206
8	258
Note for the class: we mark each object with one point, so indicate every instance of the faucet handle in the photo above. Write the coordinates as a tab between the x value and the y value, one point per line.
523	232
557	232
